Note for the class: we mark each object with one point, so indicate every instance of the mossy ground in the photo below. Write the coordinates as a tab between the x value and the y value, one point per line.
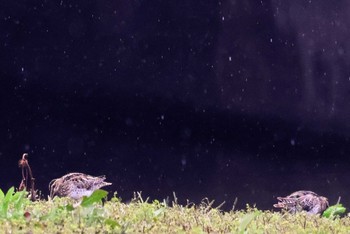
139	216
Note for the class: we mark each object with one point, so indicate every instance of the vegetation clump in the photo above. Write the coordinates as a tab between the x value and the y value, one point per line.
96	214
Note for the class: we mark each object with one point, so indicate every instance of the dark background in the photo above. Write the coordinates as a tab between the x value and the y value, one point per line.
217	99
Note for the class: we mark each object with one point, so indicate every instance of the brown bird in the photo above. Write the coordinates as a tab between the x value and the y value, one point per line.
303	201
76	185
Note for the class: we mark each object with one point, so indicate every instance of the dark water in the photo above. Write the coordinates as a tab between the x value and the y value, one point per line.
220	100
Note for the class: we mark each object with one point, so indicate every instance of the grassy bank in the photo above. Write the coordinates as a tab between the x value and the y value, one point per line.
19	215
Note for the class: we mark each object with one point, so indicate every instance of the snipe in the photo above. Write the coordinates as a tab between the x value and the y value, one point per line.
76	185
303	200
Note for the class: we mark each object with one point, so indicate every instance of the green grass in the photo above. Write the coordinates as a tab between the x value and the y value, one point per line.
61	215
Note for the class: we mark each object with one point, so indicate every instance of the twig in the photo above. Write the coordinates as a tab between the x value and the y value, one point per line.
234	203
27	173
175	198
339	200
219	206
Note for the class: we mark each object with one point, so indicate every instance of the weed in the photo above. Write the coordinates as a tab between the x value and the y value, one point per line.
12	204
19	215
334	211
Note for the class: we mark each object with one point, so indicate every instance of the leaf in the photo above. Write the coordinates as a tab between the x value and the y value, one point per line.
2	195
96	196
244	222
159	211
69	207
15	196
112	223
18	200
333	211
5	203
9	194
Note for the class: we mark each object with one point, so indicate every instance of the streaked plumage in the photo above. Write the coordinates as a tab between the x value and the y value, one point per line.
76	185
303	201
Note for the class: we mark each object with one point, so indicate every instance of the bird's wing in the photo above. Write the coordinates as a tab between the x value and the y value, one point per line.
285	203
308	202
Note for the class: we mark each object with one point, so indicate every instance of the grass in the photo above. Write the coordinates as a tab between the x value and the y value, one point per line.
20	215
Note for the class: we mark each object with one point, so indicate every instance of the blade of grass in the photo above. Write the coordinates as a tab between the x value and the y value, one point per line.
246	220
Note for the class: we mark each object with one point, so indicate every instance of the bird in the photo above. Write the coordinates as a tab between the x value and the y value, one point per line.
76	185
303	200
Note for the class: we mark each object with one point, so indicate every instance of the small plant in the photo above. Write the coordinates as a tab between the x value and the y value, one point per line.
97	215
12	203
334	211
